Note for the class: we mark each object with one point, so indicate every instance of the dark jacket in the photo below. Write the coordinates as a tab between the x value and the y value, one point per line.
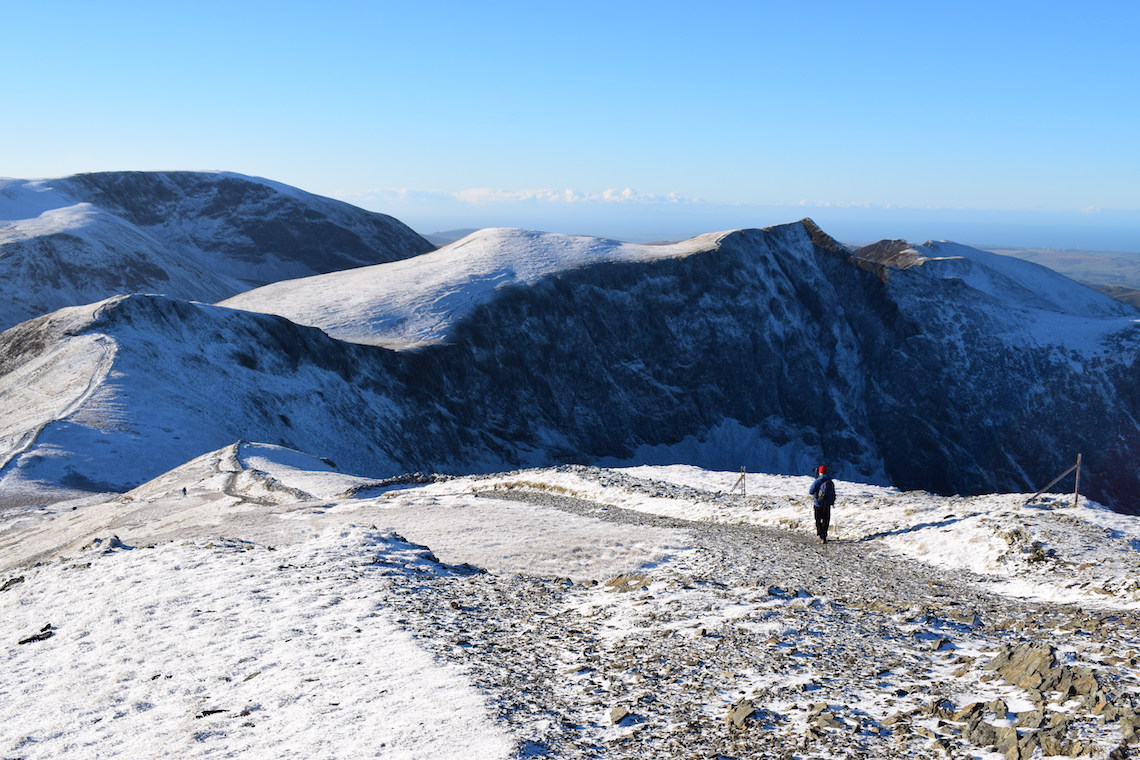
823	489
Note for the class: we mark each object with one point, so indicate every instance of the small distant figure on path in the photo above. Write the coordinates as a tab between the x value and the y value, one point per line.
183	491
823	489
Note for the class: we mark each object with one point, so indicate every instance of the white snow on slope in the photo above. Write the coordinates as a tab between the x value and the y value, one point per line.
78	248
1048	550
1021	302
1029	303
77	420
404	304
1015	281
240	596
27	203
413	302
52	386
24	201
212	650
190	235
247	615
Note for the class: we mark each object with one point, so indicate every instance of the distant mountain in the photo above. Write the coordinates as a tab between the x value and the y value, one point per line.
1005	277
1113	273
948	371
191	235
956	371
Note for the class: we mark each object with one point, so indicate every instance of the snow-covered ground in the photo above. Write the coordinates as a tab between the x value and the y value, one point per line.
279	608
1046	550
211	649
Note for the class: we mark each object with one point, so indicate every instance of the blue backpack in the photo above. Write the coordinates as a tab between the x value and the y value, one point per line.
825	494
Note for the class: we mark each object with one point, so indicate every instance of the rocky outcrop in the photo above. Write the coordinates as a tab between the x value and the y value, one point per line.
44	634
1033	667
894	253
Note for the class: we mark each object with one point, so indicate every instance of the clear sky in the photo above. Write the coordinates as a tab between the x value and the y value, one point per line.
631	119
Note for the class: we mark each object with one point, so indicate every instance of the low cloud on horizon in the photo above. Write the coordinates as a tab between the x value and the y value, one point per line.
479	196
627	214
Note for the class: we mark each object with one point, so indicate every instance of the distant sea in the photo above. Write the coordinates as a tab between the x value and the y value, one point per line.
1125	239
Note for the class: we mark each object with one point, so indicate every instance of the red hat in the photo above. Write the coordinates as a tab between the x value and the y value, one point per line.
823	469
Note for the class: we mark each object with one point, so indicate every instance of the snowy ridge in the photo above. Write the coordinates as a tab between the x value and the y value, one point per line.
414	302
1035	303
107	396
1022	282
192	235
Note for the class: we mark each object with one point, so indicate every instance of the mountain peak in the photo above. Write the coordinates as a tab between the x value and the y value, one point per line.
821	239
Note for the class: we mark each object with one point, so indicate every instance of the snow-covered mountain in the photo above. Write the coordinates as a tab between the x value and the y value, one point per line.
191	235
958	371
420	301
772	349
103	397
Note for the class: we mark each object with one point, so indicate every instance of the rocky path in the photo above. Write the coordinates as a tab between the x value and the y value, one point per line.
760	643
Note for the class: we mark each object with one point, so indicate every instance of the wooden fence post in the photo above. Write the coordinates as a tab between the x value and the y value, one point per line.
740	483
1077	487
1076	491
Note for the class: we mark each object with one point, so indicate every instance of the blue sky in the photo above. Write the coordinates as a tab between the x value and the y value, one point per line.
629	119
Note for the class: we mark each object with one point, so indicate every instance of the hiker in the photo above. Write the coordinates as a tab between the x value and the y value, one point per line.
823	489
